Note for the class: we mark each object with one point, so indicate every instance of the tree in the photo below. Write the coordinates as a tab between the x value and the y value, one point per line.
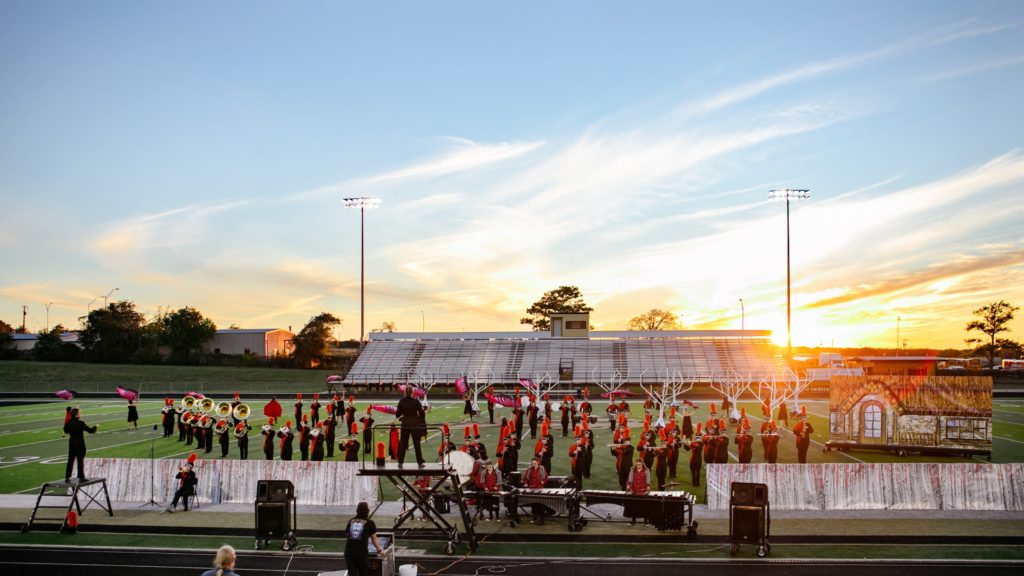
51	347
5	334
654	319
565	299
311	342
112	334
386	327
185	331
992	321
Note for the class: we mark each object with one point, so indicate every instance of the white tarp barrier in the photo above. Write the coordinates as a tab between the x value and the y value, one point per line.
875	486
234	481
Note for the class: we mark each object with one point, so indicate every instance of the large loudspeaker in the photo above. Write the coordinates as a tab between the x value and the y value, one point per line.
748	524
274	491
749	494
273	520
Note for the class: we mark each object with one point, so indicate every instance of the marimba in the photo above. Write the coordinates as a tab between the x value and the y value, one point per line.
666	510
561	501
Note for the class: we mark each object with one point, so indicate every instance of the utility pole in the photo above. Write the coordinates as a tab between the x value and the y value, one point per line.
24	313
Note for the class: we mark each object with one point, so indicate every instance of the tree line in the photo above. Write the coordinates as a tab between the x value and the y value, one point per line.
118	333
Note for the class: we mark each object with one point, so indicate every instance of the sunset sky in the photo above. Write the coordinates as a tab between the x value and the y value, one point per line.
197	153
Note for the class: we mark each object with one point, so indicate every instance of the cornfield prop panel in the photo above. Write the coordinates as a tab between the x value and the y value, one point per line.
903	414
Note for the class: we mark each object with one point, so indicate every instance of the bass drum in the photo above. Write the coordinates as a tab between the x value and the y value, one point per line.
463	464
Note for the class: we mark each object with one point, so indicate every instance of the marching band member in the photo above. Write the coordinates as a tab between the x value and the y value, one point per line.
304	437
314	408
223	430
744	441
531	416
696	448
638	482
769	436
613	411
517	414
722	448
330	425
565	408
298	407
316	442
367	422
350	412
510	454
167	417
783	415
588	449
467	409
576	451
467	445
286	435
648	442
803	431
648	405
490	406
673	444
267	431
235	401
481	448
446	442
687	421
623	406
207	423
622	449
179	414
187	481
489	483
191	420
133	413
351	447
574	417
534	478
242	436
661	461
547	406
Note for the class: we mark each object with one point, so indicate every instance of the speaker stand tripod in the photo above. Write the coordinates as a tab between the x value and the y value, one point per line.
152	471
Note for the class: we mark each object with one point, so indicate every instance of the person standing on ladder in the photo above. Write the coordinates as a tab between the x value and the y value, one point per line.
76	429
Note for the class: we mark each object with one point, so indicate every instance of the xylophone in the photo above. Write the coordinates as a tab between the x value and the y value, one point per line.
667	510
561	501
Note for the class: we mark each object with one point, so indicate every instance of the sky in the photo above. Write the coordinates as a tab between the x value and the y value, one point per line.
198	153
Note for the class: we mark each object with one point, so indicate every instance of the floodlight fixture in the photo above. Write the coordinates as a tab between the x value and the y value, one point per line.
788	194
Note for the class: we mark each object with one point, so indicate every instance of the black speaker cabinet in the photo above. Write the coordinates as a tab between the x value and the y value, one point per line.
748	524
274	491
749	494
273	519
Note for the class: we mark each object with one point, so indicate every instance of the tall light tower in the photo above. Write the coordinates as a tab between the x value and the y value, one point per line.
788	194
108	296
362	202
743	316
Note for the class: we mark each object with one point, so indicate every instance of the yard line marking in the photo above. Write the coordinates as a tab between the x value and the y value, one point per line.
56	440
90	450
1010	439
815	442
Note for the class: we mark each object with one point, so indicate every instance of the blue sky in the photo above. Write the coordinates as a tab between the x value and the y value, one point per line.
197	153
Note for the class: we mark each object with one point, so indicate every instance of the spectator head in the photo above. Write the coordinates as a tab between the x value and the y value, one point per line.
362	510
225	559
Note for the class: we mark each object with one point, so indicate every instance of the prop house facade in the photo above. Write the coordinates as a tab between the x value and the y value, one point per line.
928	414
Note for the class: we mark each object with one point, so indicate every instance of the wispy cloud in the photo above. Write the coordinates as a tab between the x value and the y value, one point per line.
173	227
461	155
981	68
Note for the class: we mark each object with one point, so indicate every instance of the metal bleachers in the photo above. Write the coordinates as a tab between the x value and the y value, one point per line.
503	358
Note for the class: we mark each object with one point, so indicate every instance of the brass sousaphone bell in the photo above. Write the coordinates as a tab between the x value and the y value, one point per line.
188	402
206	405
223	409
241	412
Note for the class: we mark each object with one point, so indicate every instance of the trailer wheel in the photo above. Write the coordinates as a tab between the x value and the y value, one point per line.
761	552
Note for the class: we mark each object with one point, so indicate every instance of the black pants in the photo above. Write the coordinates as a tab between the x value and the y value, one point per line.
182	494
403	444
74	455
357	564
243	448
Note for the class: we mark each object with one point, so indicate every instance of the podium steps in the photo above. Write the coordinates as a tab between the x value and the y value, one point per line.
65	496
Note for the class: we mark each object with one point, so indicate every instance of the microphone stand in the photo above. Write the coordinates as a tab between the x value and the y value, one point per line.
152	472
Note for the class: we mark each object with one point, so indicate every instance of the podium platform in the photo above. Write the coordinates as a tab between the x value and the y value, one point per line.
74	493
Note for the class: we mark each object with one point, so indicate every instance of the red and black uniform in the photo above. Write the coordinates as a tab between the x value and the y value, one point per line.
770	441
267	431
367	422
351	449
304	439
314	410
534	478
242	435
722	456
566	410
744	442
696	448
330	431
532	412
576	456
488	482
298	410
316	444
622	449
802	431
286	435
661	465
674	444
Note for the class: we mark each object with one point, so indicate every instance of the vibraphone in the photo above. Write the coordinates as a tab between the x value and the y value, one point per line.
666	510
561	501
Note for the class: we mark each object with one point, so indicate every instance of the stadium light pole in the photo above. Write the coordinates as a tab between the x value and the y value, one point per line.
362	202
788	194
743	316
898	318
108	296
424	317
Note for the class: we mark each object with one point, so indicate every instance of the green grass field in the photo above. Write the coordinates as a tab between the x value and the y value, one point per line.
33	451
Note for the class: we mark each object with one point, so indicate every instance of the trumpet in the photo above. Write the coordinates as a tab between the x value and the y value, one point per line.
188	402
241	412
206	405
223	409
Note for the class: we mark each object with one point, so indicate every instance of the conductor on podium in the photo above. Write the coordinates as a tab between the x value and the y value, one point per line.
414	424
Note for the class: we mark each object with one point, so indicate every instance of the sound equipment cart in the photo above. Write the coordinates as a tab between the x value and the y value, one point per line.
750	517
276	513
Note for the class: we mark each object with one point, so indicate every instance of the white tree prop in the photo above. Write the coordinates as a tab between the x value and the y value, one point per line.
779	389
732	385
667	390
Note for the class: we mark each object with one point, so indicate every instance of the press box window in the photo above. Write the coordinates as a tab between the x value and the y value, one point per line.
575	325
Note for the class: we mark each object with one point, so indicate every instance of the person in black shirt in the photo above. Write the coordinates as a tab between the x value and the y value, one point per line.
414	423
76	429
358	531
